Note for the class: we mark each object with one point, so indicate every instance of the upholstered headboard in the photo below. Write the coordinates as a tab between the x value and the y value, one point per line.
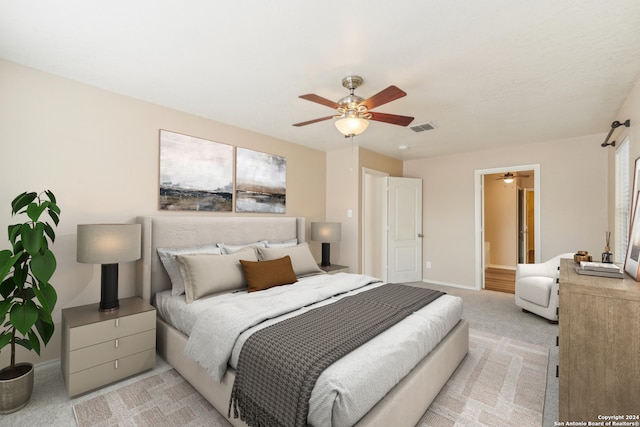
185	231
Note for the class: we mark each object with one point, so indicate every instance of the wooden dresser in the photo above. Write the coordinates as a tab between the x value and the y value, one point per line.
99	348
599	338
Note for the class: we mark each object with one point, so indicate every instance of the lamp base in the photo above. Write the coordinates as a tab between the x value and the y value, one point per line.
109	288
326	256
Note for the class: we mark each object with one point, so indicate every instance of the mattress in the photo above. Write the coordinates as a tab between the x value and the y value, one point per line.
349	388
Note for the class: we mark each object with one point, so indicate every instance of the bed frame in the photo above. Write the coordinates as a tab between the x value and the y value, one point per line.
405	404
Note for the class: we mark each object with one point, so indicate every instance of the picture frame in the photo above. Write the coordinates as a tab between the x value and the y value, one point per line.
632	259
636	187
195	174
261	182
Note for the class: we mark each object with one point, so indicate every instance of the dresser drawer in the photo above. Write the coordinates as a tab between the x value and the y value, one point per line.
108	330
99	354
88	379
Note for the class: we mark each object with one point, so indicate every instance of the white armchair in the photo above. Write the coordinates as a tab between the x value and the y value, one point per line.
537	287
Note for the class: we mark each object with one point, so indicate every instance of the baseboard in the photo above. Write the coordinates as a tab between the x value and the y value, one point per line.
453	285
47	363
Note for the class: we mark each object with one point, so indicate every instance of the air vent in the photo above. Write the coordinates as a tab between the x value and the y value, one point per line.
423	127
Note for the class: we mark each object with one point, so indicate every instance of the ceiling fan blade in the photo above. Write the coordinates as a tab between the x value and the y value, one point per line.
312	121
320	100
386	95
394	119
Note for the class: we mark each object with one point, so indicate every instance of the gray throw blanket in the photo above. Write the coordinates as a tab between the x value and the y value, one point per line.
279	365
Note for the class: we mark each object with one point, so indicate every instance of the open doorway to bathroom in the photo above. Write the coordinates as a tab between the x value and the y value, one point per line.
508	224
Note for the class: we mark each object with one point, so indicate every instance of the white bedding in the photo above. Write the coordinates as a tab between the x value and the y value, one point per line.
346	390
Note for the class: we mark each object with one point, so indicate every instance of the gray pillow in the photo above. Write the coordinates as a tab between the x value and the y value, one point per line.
283	244
171	265
229	249
206	274
301	258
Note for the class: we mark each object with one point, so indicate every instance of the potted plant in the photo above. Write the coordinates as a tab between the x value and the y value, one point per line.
27	297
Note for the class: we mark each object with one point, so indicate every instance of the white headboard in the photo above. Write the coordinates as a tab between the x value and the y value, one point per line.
185	231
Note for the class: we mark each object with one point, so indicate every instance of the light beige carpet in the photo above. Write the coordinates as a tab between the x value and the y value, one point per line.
501	382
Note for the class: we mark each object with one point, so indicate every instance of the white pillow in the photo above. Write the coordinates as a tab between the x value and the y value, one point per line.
301	258
229	249
171	265
283	244
206	274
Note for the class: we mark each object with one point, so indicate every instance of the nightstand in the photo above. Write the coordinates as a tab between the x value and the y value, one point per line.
335	268
99	348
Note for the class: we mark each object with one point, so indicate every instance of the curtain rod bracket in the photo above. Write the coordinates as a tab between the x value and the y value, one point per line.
614	125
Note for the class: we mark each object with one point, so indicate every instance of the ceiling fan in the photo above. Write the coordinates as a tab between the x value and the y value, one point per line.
354	112
509	177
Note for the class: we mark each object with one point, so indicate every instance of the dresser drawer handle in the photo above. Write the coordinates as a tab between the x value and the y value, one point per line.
117	343
117	322
116	364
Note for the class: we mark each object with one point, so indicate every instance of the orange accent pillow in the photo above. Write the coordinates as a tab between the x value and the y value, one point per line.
261	275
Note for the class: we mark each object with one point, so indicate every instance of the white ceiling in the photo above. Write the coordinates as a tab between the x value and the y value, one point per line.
486	73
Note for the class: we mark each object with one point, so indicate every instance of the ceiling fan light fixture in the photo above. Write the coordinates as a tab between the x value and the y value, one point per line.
508	180
351	126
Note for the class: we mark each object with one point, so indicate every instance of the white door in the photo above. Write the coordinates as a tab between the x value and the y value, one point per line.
404	234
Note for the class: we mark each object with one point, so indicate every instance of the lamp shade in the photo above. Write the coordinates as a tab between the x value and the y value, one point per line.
351	125
326	232
108	243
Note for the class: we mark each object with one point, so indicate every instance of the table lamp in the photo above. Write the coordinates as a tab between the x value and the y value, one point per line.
108	244
327	233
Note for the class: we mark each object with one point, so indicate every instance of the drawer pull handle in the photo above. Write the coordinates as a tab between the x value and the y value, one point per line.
116	364
117	343
117	322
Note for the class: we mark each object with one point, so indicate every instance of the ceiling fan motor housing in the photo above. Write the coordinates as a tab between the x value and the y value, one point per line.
352	82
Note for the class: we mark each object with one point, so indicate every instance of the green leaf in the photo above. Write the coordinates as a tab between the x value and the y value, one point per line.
48	297
43	266
32	237
24	316
34	210
55	216
45	329
7	260
5	305
14	232
49	230
51	196
35	342
7	287
21	201
5	338
24	343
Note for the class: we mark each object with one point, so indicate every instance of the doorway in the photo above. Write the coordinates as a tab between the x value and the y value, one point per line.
391	227
507	224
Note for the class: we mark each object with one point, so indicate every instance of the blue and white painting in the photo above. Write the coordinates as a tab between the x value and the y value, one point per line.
261	182
195	174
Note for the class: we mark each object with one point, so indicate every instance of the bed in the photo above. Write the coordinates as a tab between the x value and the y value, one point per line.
404	404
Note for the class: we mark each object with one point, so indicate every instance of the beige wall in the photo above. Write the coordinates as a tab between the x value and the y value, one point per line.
573	179
98	152
344	195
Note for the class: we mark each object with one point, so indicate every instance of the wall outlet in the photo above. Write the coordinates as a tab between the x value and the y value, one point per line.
427	264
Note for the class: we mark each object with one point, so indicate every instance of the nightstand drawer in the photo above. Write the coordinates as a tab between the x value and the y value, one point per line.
108	330
98	354
107	373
